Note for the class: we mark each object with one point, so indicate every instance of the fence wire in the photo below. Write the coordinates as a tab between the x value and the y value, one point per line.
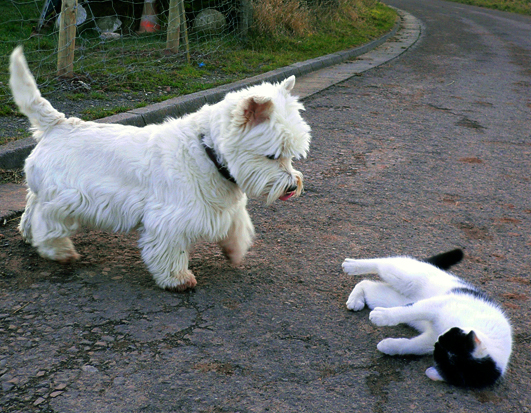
119	44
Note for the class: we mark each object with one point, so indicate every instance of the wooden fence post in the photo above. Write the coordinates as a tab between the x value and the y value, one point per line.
245	17
177	28
67	39
174	27
184	30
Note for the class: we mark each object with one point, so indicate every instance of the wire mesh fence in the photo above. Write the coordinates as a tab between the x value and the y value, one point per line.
106	45
96	58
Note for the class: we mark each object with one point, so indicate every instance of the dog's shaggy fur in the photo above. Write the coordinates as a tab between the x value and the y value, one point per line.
159	179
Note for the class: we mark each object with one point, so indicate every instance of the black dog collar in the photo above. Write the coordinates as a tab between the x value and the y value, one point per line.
223	170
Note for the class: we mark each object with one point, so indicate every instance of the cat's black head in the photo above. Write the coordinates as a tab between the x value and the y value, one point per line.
455	363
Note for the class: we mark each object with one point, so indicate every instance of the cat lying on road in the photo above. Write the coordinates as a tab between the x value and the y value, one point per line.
466	331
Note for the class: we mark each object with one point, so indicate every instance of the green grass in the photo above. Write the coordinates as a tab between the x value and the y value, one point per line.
513	6
139	65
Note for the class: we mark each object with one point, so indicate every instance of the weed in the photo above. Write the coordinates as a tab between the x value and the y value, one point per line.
17	134
98	96
14	176
102	112
76	96
7	110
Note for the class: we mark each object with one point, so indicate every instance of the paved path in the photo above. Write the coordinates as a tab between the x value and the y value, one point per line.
425	153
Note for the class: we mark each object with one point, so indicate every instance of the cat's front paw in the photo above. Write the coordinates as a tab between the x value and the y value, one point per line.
351	266
433	374
381	316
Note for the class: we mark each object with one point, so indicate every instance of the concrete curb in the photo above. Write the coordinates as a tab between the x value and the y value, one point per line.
13	154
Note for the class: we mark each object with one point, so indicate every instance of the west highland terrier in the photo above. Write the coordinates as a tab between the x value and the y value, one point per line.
176	183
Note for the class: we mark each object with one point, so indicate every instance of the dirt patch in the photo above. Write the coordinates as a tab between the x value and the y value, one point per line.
22	265
471	160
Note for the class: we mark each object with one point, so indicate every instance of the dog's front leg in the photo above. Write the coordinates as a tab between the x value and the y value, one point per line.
240	235
167	260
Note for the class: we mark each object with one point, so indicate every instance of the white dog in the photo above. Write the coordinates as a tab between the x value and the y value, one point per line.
177	183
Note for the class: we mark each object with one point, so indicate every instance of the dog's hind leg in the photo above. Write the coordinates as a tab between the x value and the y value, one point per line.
240	235
25	221
49	235
166	260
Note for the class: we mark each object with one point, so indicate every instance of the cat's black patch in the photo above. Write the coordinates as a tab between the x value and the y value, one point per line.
456	364
469	290
447	259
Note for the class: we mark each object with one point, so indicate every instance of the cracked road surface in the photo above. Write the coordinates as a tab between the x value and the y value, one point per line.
426	153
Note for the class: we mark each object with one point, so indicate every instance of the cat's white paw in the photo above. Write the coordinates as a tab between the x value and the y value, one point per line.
350	266
356	299
381	316
392	346
356	304
433	374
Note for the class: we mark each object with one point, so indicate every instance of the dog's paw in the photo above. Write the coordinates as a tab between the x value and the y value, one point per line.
60	249
182	287
234	255
382	317
26	236
356	300
179	283
69	258
392	346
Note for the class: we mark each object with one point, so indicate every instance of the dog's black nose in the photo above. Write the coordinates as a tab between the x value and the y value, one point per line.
292	188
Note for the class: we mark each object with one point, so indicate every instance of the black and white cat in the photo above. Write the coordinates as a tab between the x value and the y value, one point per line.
466	331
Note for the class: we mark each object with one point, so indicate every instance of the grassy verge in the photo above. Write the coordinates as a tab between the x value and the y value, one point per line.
513	6
133	71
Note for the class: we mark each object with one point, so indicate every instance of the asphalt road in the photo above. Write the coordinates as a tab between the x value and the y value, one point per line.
428	152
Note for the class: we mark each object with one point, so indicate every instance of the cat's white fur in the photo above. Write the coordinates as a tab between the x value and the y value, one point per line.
420	294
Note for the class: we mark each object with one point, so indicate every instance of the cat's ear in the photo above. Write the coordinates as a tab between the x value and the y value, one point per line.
473	339
433	374
476	346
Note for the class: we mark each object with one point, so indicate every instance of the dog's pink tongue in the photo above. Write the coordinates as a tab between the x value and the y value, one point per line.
287	196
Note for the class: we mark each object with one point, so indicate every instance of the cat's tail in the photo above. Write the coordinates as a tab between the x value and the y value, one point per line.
40	112
447	259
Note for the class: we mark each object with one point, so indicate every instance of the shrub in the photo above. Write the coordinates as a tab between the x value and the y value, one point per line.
281	17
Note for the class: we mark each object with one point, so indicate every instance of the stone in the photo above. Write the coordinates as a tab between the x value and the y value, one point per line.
210	22
90	369
38	401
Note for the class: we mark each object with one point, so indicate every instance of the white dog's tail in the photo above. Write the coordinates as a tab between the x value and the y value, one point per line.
40	112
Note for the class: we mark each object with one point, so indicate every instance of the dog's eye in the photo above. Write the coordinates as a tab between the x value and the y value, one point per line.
272	157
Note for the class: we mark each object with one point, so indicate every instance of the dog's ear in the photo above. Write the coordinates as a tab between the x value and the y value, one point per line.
288	84
255	110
